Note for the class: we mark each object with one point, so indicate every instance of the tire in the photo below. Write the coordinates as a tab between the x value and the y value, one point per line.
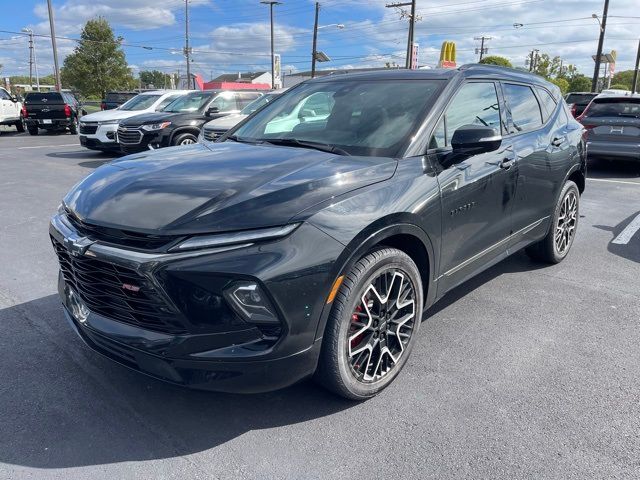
20	125
345	367
185	139
548	250
32	130
73	128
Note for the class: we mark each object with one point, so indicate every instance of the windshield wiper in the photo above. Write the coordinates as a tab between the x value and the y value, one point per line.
294	142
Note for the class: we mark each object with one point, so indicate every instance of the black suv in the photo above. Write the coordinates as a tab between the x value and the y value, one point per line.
179	123
51	111
313	246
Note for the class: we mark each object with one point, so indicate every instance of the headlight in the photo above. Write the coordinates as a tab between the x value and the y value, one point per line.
246	236
249	301
109	122
155	126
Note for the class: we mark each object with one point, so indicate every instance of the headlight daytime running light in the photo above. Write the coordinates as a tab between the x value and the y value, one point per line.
231	238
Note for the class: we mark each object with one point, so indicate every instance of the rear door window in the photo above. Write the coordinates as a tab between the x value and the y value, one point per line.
526	114
548	103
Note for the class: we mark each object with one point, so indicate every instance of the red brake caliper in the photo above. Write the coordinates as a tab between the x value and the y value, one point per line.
356	340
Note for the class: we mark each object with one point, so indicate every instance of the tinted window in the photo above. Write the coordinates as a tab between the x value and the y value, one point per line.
225	102
4	95
189	102
614	107
39	97
580	98
548	103
474	104
245	98
360	117
118	97
164	102
257	103
524	107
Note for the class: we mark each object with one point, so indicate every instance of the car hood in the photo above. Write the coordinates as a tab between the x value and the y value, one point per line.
105	115
159	117
222	187
225	122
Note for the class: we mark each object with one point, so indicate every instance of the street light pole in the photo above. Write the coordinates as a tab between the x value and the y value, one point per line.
603	26
55	48
315	42
271	3
634	84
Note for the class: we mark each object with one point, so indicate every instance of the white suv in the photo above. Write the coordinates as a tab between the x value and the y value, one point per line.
98	130
10	110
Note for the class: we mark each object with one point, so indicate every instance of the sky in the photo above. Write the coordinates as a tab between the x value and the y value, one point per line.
233	35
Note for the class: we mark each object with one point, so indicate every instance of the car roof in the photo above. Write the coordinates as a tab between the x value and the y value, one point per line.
615	96
466	71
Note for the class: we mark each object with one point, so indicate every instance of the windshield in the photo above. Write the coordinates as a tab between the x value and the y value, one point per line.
358	117
140	102
614	107
257	103
189	102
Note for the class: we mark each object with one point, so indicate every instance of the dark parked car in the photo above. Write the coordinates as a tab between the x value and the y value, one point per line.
578	101
115	99
612	124
51	111
290	250
179	123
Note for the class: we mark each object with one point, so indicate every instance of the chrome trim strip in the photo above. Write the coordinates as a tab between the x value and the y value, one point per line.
470	260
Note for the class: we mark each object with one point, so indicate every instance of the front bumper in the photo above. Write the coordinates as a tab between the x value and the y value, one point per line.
133	143
96	144
214	355
97	136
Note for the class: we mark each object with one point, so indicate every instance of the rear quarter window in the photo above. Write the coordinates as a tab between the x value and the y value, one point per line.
548	103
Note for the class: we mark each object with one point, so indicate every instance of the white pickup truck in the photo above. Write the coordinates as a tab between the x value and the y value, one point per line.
10	110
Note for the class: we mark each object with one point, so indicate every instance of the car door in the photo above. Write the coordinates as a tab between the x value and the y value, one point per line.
6	110
476	191
541	146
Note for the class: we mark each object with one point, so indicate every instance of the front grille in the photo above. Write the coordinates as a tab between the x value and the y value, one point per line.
212	135
116	236
110	290
129	136
88	128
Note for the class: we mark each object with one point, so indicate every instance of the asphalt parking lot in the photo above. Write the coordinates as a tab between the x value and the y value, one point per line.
527	371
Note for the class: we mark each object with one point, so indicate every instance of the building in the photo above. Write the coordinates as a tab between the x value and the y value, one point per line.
240	81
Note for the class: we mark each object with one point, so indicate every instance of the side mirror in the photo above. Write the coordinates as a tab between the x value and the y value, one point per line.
14	99
475	139
212	111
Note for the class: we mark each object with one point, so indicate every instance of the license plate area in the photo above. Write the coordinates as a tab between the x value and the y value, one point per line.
46	121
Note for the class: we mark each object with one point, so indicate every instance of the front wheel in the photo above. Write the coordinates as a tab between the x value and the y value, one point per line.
73	128
20	124
556	245
372	326
185	139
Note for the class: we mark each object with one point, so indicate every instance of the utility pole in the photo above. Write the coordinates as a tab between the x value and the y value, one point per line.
603	26
187	50
271	3
634	84
315	42
482	50
55	48
412	21
30	59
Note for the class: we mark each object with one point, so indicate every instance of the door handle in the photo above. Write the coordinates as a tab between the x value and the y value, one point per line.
507	163
558	141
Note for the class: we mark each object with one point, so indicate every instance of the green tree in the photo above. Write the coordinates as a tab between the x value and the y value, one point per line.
46	80
580	83
562	84
97	64
623	78
496	60
619	86
154	78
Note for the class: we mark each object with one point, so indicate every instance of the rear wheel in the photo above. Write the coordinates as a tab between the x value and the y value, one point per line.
185	139
32	130
556	245
372	326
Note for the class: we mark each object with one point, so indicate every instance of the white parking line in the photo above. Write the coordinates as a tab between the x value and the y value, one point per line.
613	181
51	146
626	234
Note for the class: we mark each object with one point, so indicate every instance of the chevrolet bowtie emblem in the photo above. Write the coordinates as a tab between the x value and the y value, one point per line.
77	246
